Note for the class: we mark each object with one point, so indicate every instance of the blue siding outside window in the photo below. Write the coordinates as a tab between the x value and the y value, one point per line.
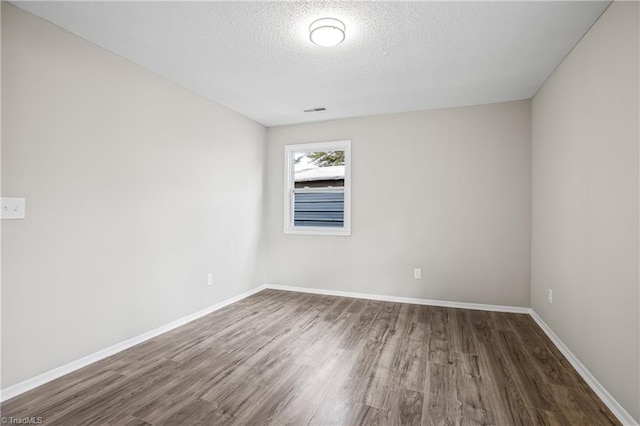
316	208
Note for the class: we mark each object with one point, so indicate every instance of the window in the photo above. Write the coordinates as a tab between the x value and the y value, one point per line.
318	188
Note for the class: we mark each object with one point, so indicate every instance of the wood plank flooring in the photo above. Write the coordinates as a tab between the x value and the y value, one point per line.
286	358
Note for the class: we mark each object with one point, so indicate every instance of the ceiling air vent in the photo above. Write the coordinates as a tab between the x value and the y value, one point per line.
315	110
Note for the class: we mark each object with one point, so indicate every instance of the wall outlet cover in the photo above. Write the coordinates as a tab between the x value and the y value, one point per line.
12	208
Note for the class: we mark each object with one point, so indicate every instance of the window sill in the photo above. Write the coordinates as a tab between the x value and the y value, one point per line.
318	231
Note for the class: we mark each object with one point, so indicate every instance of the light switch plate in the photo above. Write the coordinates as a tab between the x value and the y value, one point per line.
12	208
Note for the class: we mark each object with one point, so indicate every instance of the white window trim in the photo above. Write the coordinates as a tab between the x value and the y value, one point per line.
289	186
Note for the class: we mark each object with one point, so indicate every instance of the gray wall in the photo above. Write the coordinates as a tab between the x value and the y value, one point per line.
136	188
445	190
585	203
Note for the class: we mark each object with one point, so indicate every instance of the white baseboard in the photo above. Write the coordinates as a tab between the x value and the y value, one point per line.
17	389
414	301
617	409
613	405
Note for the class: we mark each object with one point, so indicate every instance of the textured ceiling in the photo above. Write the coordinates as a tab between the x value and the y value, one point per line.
256	57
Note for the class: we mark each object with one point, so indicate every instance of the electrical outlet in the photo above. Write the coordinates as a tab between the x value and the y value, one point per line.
209	279
550	295
417	273
12	208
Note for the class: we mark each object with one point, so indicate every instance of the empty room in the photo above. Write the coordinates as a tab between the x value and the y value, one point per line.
320	213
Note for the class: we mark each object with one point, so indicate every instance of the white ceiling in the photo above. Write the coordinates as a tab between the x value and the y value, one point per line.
256	57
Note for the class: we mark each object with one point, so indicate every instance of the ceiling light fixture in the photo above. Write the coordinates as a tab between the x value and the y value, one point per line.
327	32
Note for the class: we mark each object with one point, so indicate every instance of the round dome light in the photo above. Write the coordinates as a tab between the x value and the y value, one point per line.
327	32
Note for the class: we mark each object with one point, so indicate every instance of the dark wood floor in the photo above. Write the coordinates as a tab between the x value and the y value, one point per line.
293	358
